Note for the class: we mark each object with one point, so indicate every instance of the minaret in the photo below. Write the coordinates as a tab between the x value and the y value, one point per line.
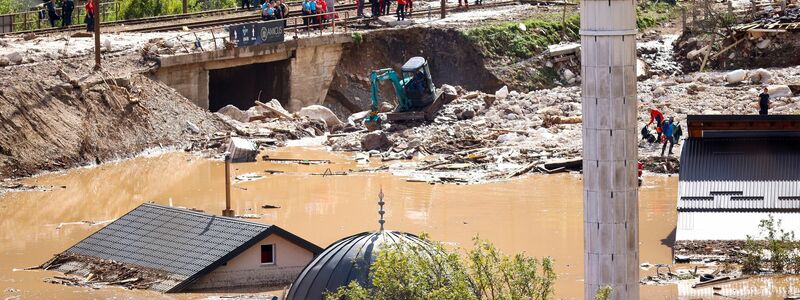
611	212
381	211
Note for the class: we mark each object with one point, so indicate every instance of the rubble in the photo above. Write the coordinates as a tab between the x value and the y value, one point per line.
320	112
235	113
242	150
375	140
736	76
95	273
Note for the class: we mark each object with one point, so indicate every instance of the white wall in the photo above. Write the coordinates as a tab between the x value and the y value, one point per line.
246	268
728	226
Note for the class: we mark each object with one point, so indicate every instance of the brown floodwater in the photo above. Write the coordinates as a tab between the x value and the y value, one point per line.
540	215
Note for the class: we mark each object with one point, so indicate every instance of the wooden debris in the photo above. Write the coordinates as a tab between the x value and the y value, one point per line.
297	161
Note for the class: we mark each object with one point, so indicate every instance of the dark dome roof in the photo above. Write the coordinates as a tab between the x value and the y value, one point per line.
345	260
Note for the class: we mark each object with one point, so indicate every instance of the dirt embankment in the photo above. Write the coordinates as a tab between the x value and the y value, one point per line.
452	58
61	114
771	50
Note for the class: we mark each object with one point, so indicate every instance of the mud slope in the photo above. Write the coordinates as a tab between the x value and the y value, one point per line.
452	57
52	120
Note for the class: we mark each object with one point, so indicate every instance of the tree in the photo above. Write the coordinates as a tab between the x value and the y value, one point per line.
411	271
8	6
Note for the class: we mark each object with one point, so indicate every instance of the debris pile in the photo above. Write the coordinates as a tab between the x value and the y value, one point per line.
269	123
94	273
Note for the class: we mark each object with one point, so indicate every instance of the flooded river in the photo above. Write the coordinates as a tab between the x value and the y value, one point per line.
540	215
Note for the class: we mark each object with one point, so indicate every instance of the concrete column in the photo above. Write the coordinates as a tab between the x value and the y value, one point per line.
611	212
311	74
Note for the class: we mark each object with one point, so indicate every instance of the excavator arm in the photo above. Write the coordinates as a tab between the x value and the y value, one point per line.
386	74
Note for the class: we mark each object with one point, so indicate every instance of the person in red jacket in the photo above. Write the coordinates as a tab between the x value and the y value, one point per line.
90	11
322	7
401	9
658	117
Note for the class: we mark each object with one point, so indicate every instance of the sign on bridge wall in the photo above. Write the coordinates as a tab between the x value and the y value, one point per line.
257	33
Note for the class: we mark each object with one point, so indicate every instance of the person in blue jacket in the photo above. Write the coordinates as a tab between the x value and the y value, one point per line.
668	128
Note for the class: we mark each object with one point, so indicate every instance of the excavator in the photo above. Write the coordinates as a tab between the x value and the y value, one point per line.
417	97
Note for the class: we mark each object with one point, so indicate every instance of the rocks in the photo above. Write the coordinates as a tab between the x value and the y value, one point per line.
777	91
568	75
659	91
4	61
375	140
502	93
320	112
763	44
466	114
29	36
760	76
15	58
735	76
386	107
242	150
642	69
235	113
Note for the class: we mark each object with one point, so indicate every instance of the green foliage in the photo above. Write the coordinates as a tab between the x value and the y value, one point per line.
507	39
131	9
780	244
603	293
357	38
651	14
8	6
408	271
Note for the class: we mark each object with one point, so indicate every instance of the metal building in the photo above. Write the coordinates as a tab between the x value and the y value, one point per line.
736	171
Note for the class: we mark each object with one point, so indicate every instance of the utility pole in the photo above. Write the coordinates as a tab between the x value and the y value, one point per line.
610	149
186	6
444	9
228	212
96	19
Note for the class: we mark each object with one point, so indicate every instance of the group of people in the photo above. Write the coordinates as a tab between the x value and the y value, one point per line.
384	8
668	131
67	7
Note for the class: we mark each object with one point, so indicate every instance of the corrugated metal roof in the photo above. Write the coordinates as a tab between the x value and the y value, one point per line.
343	261
183	243
740	174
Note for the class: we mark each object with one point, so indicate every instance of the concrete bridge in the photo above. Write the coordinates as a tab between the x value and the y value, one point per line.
296	72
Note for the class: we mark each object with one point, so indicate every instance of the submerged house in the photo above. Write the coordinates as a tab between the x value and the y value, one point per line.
169	249
736	171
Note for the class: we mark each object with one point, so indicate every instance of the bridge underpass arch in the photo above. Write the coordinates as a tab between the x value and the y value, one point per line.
240	86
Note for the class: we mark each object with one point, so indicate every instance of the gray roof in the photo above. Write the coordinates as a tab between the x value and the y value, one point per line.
740	175
345	260
182	243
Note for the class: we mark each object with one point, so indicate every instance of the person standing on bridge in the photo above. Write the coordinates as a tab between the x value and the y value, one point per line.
401	10
67	6
246	3
360	10
387	7
51	13
89	19
376	8
284	11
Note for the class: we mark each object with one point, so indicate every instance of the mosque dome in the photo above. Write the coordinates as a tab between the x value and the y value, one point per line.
346	260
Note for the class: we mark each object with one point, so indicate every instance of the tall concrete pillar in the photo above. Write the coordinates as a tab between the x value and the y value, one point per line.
611	212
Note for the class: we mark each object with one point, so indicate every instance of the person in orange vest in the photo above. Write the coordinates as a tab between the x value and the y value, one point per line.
90	11
401	10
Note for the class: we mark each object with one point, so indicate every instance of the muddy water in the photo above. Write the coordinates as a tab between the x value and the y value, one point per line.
540	215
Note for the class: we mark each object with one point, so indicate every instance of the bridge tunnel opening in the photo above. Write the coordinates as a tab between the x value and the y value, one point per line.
241	86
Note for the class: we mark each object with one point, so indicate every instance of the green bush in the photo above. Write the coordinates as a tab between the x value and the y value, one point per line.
408	271
132	9
782	246
507	39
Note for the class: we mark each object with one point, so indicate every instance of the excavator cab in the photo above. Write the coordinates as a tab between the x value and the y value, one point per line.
417	84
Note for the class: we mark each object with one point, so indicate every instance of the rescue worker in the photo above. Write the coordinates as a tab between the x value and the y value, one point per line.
401	10
90	11
763	102
658	117
52	16
668	129
66	13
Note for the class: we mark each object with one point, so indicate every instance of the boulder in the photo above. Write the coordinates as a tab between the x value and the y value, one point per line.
357	118
4	61
760	76
235	113
659	91
763	44
466	114
449	92
568	74
735	76
242	150
320	112
15	58
502	93
386	107
777	91
375	140
29	36
642	69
